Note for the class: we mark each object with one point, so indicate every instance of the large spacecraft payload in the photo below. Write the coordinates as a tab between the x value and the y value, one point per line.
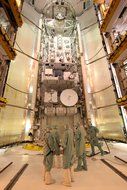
60	68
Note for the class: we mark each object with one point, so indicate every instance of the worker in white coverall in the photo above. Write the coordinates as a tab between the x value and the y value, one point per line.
80	148
68	156
56	138
48	156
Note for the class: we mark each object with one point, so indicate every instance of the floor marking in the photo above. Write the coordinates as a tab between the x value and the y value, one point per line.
6	167
121	159
118	172
16	177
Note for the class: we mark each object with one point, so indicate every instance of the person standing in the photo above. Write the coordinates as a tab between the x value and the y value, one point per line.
68	155
80	148
49	149
92	133
56	138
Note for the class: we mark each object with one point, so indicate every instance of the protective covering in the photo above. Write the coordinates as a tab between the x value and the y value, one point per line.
48	151
92	132
15	120
80	148
100	96
56	138
68	148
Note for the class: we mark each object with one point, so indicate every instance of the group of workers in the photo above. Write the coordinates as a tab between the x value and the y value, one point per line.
71	144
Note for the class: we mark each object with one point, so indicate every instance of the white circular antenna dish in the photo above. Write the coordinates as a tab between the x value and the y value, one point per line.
69	97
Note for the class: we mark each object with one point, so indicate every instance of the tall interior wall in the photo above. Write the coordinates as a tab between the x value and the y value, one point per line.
15	122
101	106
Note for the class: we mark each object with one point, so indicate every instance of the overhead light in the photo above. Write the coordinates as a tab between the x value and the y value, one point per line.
31	89
28	126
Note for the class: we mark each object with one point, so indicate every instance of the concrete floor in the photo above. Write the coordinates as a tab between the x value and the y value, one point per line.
98	176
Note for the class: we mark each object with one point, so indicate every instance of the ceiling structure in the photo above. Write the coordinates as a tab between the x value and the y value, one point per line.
40	4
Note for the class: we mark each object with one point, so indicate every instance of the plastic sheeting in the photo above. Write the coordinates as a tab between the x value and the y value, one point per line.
100	105
15	122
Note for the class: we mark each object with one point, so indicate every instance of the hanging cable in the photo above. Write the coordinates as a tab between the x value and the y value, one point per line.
18	46
102	89
20	51
20	107
97	59
95	54
106	106
31	21
87	31
89	26
17	89
41	28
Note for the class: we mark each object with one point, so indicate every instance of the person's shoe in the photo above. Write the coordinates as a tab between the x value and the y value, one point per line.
92	154
66	178
51	182
78	169
66	184
48	179
72	180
